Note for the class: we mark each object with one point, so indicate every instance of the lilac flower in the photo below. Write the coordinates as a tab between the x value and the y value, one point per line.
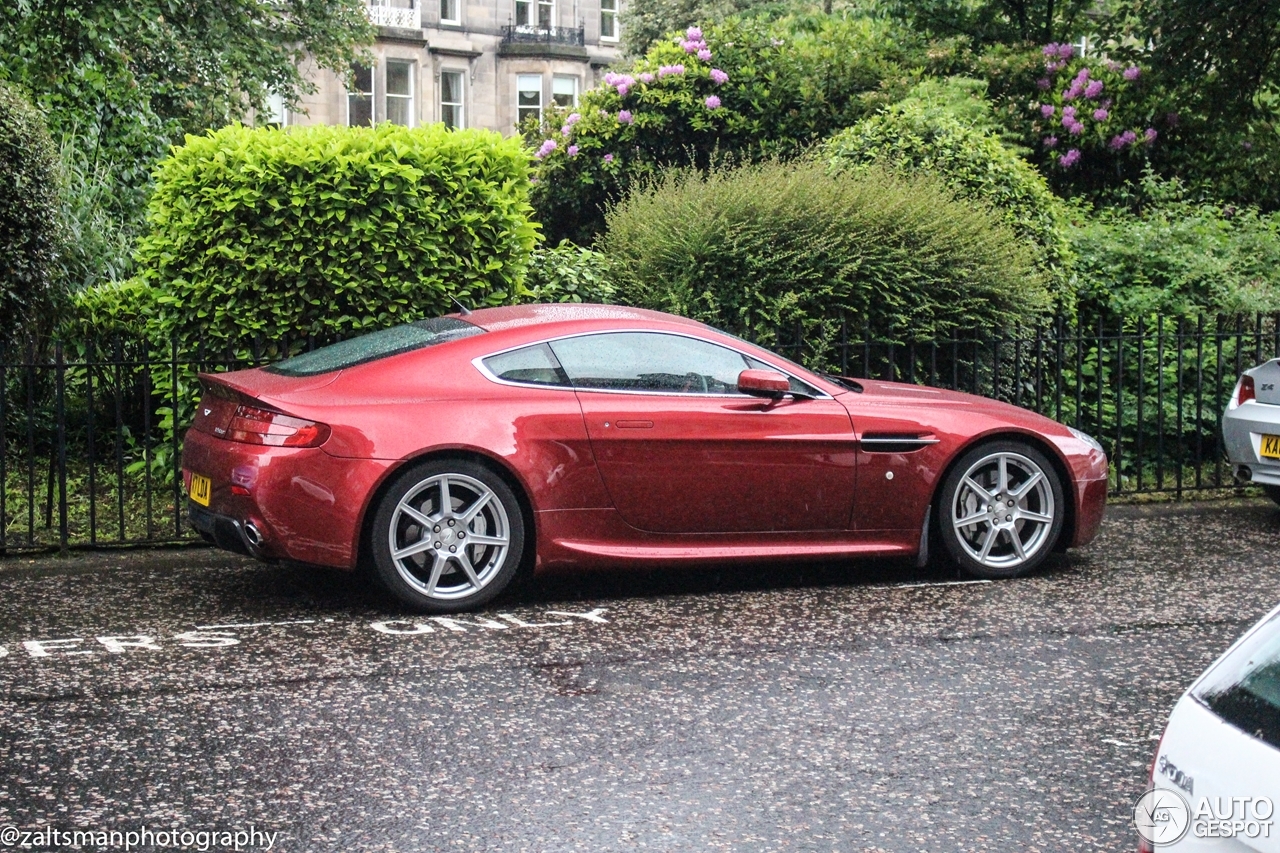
1133	72
667	70
573	119
608	158
713	103
646	77
547	147
719	77
1044	83
1047	110
573	151
1051	142
1094	89
705	54
1101	115
1070	158
693	33
1150	135
624	117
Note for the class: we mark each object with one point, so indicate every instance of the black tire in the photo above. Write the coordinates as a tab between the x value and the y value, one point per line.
447	573
1014	529
1273	492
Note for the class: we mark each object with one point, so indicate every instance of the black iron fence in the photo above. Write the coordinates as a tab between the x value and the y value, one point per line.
91	443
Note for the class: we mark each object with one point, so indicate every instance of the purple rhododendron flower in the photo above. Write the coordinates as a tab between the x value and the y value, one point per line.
611	79
624	117
1070	158
1075	129
713	103
573	151
1068	112
1053	65
566	130
1150	135
608	158
1044	83
1074	92
547	147
1050	50
719	77
1094	89
694	33
1083	75
1046	110
1066	51
1051	142
1129	137
1133	72
667	70
646	77
1117	142
623	88
705	54
1101	115
573	119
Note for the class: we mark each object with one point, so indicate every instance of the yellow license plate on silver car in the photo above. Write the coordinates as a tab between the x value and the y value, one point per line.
200	488
1270	447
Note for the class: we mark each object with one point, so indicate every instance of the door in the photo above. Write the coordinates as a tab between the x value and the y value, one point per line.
681	450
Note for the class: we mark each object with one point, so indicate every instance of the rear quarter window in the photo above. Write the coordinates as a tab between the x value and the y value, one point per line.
376	345
1244	687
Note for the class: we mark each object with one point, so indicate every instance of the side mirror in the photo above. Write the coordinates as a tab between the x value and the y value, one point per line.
764	383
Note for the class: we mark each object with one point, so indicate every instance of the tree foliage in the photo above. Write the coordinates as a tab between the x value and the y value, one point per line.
29	233
130	78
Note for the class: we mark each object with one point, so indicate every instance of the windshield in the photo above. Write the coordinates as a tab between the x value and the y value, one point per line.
376	345
1244	689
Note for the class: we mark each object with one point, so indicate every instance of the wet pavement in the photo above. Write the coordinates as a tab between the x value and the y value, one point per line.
857	707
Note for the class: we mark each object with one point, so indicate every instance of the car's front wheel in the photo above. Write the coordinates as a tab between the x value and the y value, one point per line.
447	536
1001	510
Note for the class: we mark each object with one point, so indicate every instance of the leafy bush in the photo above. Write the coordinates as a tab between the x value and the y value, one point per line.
947	130
29	230
97	243
567	273
778	245
329	231
1179	258
746	90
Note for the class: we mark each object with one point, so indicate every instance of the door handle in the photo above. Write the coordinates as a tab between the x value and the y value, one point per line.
633	424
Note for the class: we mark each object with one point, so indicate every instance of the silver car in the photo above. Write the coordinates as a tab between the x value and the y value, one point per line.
1251	427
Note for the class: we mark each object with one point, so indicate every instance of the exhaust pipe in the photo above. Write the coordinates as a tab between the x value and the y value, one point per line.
1243	474
252	537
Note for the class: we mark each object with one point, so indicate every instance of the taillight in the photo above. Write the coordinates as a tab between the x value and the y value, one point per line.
1245	390
253	425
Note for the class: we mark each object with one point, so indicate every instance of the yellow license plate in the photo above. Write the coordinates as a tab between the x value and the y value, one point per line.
200	488
1271	446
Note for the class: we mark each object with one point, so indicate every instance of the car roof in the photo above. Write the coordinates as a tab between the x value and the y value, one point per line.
513	317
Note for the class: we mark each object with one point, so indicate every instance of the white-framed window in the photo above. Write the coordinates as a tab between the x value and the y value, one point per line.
449	12
536	14
400	92
608	20
564	91
360	96
451	99
276	114
528	96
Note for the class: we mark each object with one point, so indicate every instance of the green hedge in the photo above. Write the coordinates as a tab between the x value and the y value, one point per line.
946	129
775	245
29	230
329	231
567	273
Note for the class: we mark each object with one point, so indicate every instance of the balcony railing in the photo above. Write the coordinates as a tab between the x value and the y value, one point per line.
527	34
383	14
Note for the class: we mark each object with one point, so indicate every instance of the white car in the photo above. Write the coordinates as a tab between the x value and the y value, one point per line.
1215	780
1251	427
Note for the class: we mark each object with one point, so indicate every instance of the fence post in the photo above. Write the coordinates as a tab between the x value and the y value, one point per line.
60	378
175	463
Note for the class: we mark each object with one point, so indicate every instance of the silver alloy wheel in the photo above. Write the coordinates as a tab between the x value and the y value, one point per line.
449	536
1003	510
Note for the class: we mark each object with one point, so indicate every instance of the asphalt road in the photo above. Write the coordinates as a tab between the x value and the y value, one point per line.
865	707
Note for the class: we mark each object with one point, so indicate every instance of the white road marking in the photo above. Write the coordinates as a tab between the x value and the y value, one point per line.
257	625
935	583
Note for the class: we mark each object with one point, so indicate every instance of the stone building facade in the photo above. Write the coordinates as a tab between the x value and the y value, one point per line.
469	63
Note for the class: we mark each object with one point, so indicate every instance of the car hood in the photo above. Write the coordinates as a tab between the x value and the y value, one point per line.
900	395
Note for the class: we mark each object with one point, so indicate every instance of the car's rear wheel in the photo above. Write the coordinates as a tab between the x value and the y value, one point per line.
448	536
1001	510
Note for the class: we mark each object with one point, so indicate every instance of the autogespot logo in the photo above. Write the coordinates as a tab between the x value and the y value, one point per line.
1162	816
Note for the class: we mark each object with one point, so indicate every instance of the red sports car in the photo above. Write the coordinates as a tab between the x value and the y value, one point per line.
452	452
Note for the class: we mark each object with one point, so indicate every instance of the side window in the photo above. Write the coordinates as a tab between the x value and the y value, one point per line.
532	365
648	361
